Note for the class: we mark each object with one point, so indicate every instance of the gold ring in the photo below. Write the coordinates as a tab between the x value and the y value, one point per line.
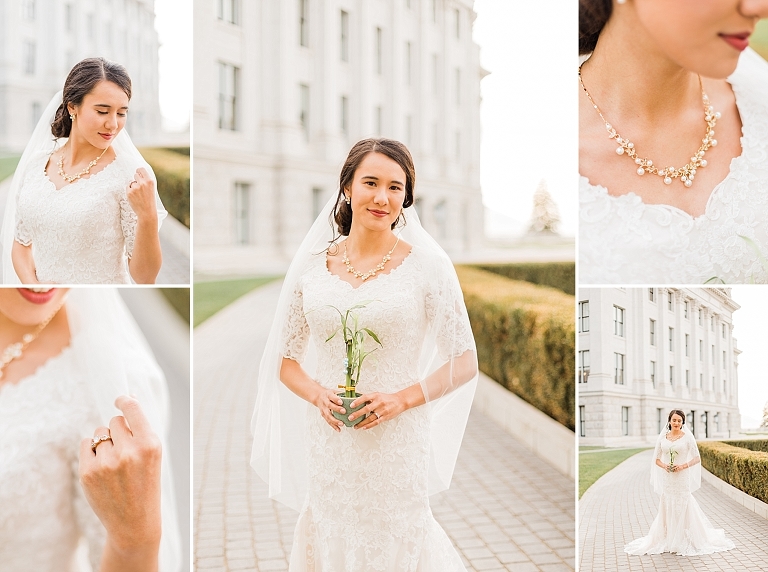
96	441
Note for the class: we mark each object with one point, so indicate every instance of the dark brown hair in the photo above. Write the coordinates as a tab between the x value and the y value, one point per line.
675	412
593	14
81	80
342	212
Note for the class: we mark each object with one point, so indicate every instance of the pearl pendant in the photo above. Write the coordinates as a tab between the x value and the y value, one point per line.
667	180
619	150
688	183
641	171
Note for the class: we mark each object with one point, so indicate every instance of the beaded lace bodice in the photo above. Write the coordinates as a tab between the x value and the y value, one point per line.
623	240
367	507
82	233
43	511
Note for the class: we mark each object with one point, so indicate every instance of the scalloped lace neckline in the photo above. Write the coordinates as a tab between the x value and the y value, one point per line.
378	276
73	183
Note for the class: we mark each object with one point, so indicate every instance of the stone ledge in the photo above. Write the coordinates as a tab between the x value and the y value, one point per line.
536	431
750	503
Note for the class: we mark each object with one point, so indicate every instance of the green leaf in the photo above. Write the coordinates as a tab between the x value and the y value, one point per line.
329	338
374	336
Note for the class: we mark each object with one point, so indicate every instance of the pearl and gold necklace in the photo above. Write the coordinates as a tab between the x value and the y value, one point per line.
686	173
379	267
15	350
86	171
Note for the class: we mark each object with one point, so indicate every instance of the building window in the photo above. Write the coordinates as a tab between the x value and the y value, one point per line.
660	419
242	212
583	317
652	294
671	375
701	381
583	366
435	72
229	85
36	111
90	26
625	421
418	204
582	422
700	313
713	354
686	345
653	332
723	331
28	9
440	216
344	36
458	86
725	387
379	50
344	114
723	359
407	63
618	369
229	11
458	23
669	301
303	23
69	17
701	350
687	378
377	119
317	201
685	309
618	321
434	10
671	339
304	109
28	57
653	373
711	323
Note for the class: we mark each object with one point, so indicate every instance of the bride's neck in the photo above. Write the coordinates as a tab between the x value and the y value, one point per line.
363	242
629	75
80	151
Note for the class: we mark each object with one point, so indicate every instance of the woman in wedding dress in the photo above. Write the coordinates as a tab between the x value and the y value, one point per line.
681	526
672	144
83	208
362	491
84	475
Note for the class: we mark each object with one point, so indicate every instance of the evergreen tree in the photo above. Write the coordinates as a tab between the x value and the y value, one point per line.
545	217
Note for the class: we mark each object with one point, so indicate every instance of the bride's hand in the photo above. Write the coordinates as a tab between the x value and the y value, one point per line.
325	401
121	480
380	407
141	195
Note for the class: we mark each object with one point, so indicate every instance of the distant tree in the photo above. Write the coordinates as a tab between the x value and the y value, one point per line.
764	424
545	217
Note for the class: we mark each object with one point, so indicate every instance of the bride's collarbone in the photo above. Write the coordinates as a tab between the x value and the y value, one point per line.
51	169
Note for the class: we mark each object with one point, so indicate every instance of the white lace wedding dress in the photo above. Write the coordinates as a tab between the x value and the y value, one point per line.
82	233
622	240
367	507
681	526
43	511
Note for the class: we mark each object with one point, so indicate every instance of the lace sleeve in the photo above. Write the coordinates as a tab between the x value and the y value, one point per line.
296	330
88	523
447	313
128	222
21	234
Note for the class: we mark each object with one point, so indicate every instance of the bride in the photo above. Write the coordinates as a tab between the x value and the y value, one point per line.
681	526
83	486
672	144
82	206
363	492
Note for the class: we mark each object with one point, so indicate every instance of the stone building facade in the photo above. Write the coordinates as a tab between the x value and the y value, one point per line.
645	351
283	90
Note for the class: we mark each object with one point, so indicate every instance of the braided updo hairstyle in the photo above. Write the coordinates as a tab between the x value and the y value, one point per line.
81	80
342	212
593	14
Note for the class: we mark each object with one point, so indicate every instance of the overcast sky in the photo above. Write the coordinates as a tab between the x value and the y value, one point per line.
749	329
173	22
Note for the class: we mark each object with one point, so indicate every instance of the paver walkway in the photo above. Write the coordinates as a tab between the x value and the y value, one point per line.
621	505
506	510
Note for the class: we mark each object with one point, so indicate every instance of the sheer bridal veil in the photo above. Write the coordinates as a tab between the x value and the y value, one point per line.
448	368
43	143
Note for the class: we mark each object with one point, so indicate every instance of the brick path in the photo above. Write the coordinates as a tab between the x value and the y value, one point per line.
505	510
621	505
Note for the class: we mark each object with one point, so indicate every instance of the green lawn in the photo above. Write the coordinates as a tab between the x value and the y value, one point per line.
759	40
595	463
210	297
8	166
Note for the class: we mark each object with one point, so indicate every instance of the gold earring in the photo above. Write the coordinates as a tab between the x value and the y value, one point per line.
71	117
347	199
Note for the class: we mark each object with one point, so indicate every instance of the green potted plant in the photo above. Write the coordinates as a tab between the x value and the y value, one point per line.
354	341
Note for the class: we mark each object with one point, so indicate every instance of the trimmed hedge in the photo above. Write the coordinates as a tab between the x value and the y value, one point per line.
744	468
560	275
751	444
525	339
171	168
